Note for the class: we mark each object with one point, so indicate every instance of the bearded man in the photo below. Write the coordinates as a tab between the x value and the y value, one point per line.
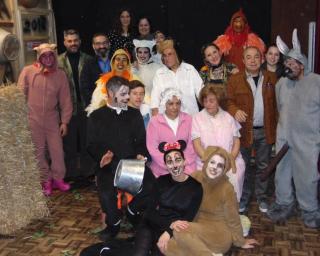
298	100
96	66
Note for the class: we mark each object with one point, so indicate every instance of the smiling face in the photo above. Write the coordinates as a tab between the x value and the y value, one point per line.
143	54
144	27
120	63
272	56
215	166
212	55
101	45
121	97
252	60
47	59
175	163
72	43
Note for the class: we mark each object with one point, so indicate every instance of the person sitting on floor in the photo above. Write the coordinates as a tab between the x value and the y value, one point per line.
175	200
217	225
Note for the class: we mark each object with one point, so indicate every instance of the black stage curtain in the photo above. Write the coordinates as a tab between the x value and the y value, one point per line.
191	23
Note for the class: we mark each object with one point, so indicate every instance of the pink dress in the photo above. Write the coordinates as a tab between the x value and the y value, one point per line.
159	131
219	130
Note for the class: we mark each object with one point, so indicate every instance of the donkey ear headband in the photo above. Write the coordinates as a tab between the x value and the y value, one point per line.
284	49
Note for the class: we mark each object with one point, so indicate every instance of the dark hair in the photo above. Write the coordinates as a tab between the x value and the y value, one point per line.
135	84
99	34
181	146
117	26
205	46
116	82
69	32
280	66
142	17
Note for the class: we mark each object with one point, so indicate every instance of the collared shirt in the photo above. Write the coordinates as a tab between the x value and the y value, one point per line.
258	113
104	65
117	109
186	79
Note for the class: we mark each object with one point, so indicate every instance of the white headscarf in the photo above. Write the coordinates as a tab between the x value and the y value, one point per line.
167	95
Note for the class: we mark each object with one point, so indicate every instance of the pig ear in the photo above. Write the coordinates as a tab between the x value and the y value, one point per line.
283	48
295	41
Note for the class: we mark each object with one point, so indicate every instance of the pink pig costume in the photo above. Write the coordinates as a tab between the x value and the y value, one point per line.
49	105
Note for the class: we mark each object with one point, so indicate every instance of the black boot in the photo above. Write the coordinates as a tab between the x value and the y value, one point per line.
111	231
133	218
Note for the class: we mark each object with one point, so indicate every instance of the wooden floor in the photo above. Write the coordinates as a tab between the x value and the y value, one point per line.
75	219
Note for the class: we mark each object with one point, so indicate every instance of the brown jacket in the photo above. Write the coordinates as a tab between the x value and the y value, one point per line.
240	97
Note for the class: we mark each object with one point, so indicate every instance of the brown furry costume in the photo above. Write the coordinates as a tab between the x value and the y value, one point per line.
217	225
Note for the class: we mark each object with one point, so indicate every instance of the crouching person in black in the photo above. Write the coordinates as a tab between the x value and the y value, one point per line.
116	132
176	198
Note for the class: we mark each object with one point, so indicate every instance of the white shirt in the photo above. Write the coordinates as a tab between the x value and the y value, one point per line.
258	112
186	79
173	124
146	73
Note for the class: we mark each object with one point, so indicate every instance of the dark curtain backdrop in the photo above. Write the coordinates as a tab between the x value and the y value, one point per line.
190	23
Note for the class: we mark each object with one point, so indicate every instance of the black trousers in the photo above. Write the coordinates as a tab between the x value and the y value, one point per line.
77	160
108	193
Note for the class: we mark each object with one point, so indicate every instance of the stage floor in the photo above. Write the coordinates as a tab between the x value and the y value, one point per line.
75	219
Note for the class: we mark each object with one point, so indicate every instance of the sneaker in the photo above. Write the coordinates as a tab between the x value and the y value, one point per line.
61	185
263	207
242	209
109	232
311	219
280	213
47	188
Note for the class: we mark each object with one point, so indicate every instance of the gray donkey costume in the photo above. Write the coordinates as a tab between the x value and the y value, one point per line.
298	99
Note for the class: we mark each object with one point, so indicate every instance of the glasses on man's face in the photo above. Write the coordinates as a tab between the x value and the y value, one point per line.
101	43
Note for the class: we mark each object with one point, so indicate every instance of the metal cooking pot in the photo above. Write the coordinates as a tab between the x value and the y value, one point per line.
129	175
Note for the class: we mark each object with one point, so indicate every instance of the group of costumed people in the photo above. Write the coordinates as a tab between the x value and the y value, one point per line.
178	210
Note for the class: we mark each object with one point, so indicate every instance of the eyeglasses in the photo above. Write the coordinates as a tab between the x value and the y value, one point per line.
101	43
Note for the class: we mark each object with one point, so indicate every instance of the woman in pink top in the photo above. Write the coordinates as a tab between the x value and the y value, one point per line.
171	126
215	127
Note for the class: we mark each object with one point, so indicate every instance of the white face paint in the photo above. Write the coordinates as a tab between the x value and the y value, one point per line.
121	97
175	163
215	166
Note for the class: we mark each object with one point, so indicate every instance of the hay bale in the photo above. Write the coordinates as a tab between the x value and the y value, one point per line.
21	197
